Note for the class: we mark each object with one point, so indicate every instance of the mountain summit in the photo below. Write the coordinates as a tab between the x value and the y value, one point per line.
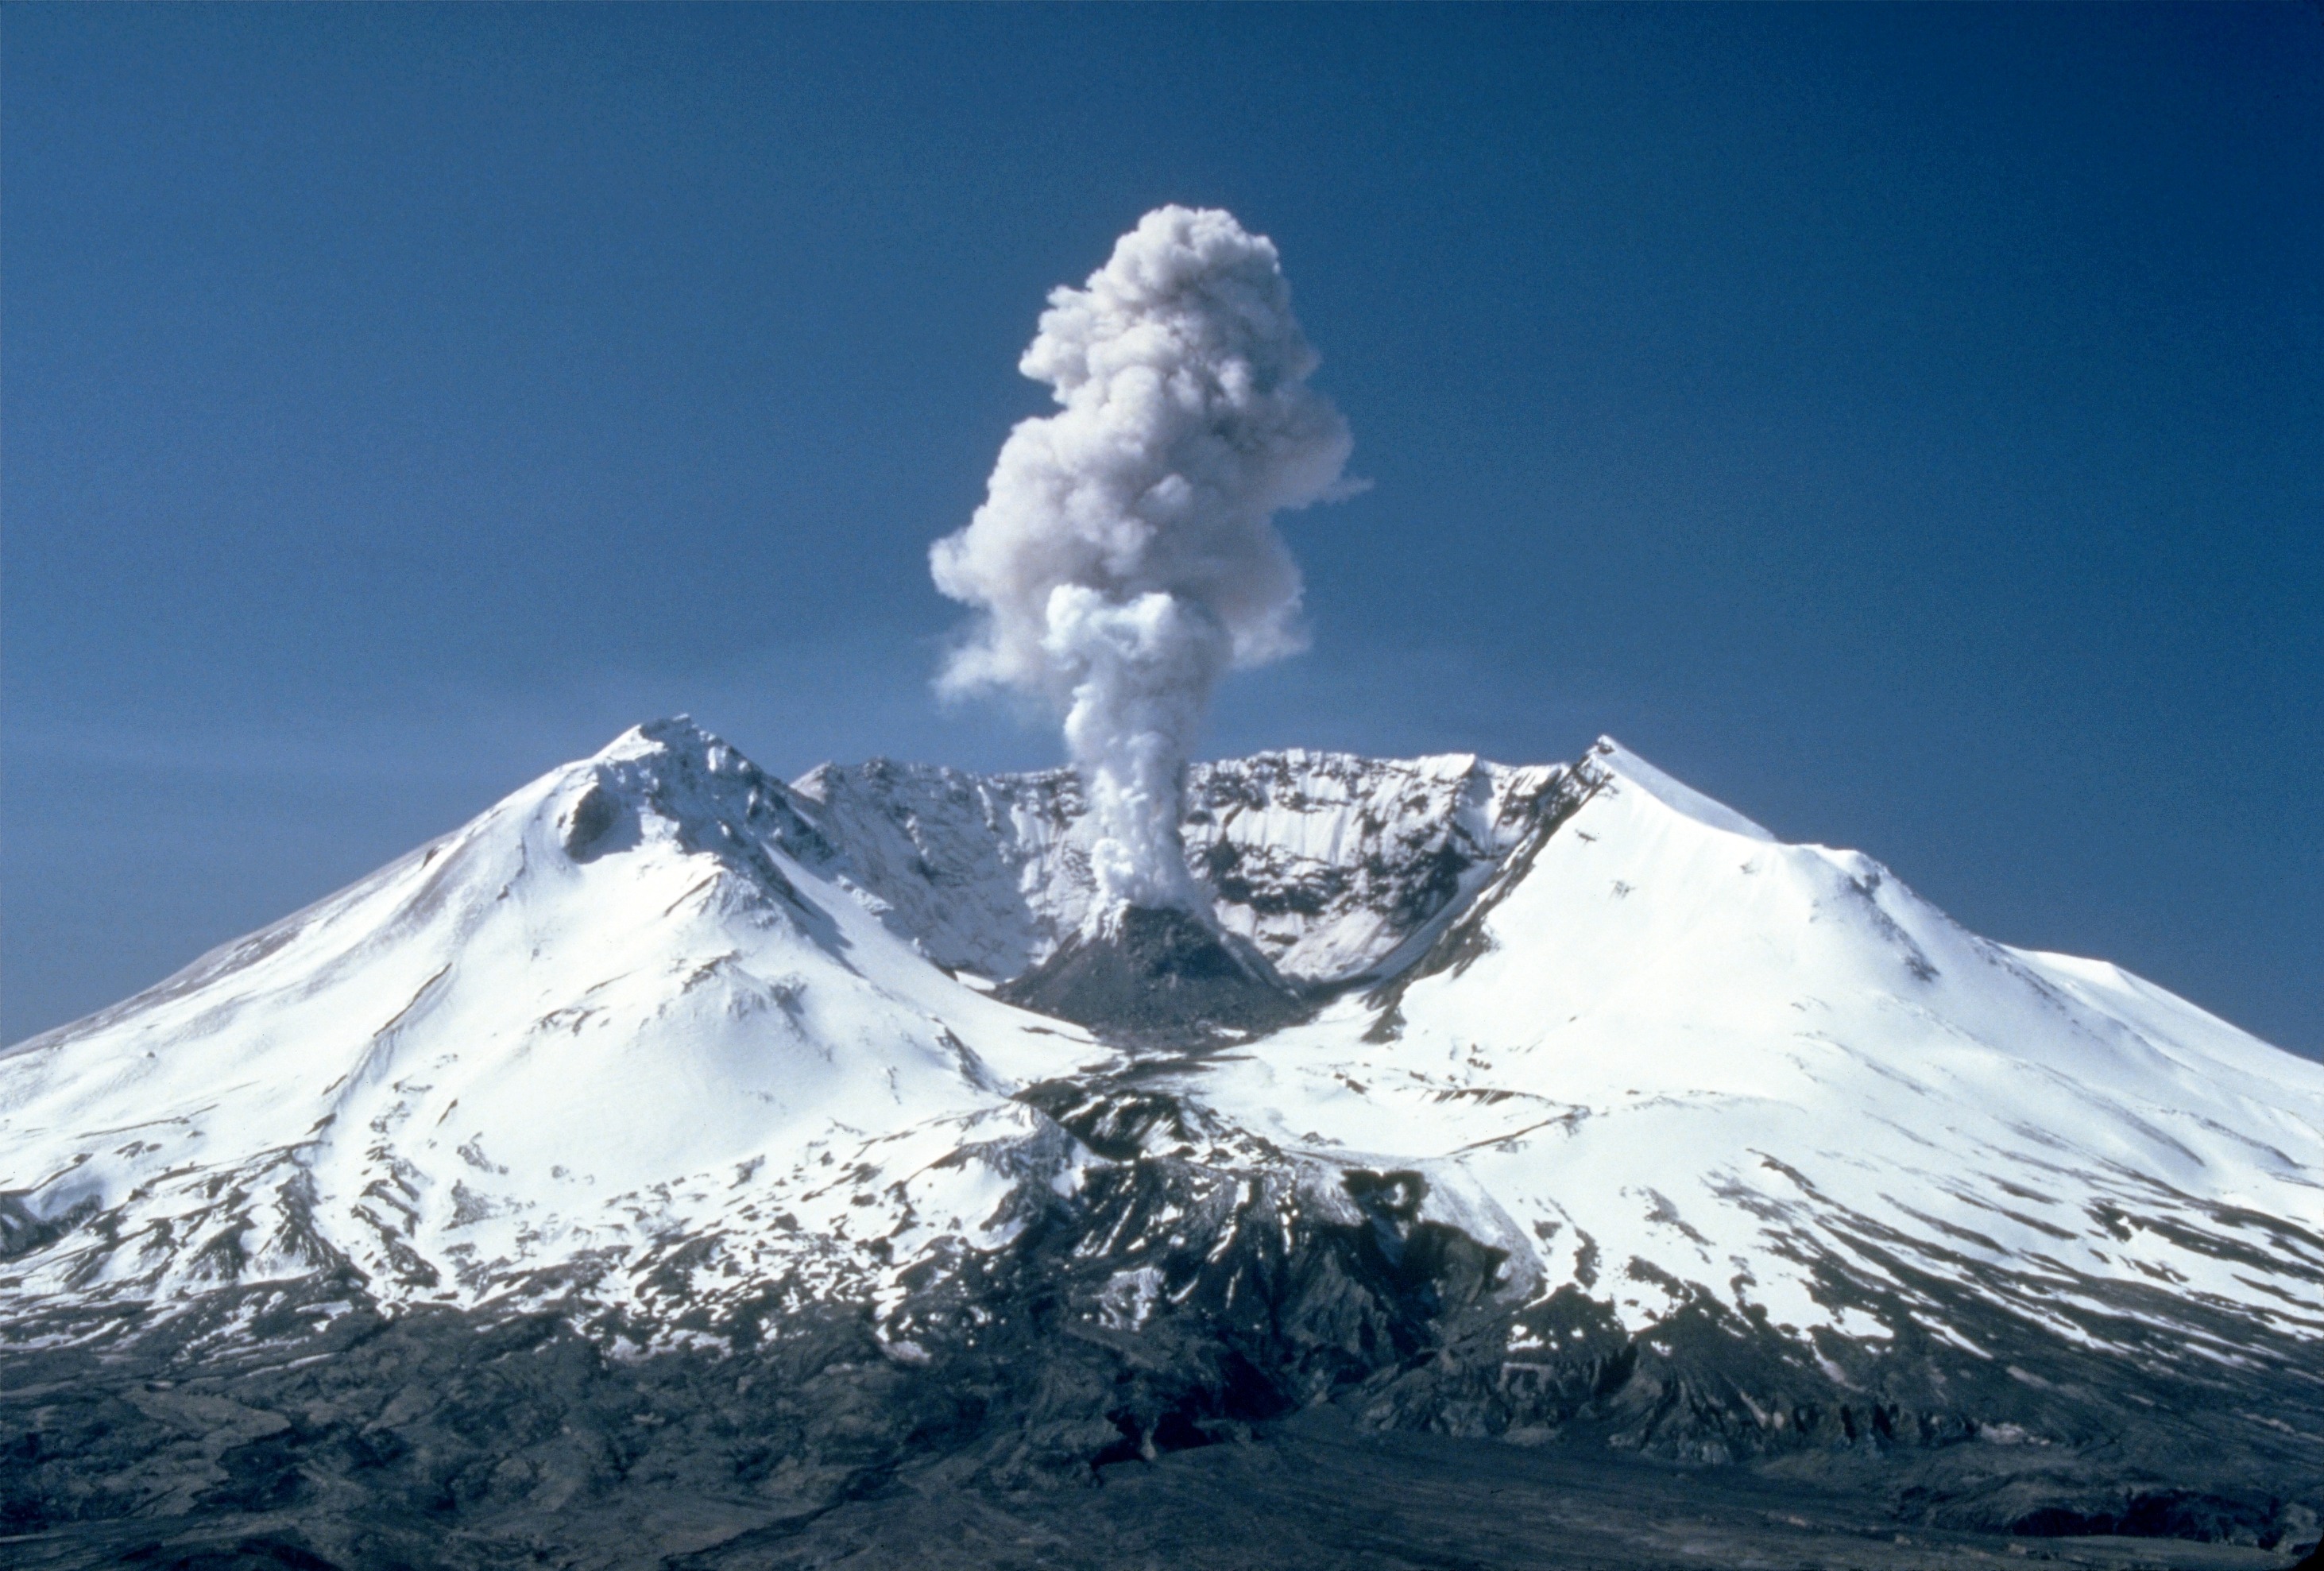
1557	1104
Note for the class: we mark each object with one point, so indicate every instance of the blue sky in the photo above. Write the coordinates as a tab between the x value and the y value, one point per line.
1905	425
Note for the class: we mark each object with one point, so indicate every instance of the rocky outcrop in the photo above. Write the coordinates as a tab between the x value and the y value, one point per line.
1332	867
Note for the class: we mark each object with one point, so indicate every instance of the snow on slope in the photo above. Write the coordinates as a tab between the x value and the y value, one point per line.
658	1030
610	1014
1666	1053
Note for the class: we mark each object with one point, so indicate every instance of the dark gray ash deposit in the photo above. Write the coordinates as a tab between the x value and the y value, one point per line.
1156	972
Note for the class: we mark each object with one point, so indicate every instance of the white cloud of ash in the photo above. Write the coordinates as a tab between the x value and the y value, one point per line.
1124	558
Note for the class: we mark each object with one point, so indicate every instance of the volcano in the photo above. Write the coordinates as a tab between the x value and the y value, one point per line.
678	1166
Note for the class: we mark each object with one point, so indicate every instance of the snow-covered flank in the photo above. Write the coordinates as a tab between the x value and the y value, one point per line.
1666	1055
659	1032
609	1017
1336	866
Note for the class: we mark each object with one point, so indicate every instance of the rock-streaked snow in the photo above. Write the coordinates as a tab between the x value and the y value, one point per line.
1666	1038
1334	865
610	1015
658	1030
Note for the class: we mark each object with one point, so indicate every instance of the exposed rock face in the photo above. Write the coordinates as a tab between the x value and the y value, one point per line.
1334	866
651	1172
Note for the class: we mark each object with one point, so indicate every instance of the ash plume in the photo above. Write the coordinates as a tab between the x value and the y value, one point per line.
1124	558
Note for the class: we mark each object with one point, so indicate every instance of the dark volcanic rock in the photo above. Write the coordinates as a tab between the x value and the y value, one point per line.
1182	1360
1159	972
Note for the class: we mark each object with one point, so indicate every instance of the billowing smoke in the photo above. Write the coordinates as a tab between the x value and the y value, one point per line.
1124	558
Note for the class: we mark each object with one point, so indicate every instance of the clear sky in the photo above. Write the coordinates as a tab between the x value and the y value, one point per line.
1904	425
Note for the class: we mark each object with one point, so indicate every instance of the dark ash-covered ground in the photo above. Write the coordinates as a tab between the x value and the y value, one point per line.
439	1443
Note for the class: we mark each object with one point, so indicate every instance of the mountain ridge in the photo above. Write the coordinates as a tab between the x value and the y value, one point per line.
1619	1121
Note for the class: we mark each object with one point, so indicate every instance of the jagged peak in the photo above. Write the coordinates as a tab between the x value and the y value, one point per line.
657	755
681	739
671	734
818	780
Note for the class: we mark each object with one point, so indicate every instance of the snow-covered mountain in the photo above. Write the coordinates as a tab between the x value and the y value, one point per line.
626	1008
1611	1110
